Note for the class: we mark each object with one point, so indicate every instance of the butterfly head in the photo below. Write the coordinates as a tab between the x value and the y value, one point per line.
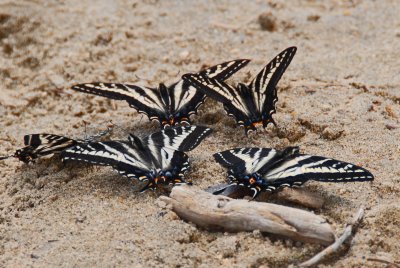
174	120
253	181
162	177
23	155
252	124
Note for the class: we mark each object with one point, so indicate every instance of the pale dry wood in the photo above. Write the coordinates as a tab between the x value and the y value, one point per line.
348	232
222	213
302	197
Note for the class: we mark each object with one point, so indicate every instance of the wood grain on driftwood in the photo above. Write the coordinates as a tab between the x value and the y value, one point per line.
216	212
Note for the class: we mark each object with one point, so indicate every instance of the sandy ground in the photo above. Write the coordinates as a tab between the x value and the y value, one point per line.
339	98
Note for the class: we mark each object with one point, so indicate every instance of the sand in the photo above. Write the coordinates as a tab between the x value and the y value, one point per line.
339	98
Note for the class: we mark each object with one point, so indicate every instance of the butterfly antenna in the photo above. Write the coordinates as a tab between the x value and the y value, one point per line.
85	124
7	156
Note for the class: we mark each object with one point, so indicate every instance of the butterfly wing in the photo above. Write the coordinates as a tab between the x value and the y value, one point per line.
145	100
223	71
38	145
123	156
245	160
264	84
301	168
182	138
186	99
234	102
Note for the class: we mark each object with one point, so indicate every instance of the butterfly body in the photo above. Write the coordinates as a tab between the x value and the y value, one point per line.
265	169
157	159
39	145
169	105
251	105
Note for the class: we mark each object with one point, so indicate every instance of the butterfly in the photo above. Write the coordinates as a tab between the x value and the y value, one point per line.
251	105
157	159
39	145
266	169
171	105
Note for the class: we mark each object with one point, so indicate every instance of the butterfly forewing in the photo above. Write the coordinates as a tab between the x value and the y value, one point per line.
307	167
223	71
187	98
179	138
119	154
247	160
145	100
264	84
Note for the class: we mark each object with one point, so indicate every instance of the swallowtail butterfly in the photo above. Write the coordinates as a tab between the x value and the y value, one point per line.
251	105
38	145
156	159
171	105
265	169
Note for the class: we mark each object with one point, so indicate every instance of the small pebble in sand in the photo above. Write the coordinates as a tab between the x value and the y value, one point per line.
184	54
390	127
390	111
331	134
267	22
313	17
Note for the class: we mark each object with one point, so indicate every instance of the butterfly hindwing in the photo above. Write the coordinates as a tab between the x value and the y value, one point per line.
144	100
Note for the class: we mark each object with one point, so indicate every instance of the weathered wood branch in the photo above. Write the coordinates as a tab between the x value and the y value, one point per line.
348	232
216	212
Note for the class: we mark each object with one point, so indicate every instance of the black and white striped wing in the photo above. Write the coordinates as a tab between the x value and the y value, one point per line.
121	155
172	160
182	138
186	99
264	84
301	168
223	71
234	101
246	160
145	100
38	145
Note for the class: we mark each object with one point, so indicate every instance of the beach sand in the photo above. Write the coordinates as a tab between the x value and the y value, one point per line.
339	98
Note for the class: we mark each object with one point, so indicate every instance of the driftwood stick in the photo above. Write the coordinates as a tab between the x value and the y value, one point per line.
348	232
218	212
301	197
389	264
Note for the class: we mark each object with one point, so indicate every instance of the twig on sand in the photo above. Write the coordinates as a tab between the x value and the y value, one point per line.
348	232
229	26
390	264
222	213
